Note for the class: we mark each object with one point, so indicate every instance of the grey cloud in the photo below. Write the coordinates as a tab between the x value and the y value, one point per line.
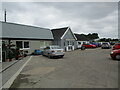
82	17
87	10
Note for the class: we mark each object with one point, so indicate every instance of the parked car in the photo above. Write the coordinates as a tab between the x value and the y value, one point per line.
36	52
53	51
94	43
99	44
89	45
116	46
115	54
79	45
106	45
112	43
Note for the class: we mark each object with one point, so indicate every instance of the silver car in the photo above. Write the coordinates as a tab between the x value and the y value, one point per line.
106	45
53	51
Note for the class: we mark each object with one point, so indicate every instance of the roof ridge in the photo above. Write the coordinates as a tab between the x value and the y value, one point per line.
25	25
59	28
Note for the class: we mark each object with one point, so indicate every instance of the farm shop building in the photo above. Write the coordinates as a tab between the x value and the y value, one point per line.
26	37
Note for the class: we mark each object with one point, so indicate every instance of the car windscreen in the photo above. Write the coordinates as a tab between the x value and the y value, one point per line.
105	43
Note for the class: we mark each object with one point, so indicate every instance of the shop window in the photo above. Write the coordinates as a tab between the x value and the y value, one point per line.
26	44
19	44
22	44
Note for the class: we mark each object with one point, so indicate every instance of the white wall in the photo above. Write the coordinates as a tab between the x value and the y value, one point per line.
34	44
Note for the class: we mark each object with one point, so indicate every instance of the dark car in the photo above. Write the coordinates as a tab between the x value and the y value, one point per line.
37	52
112	43
105	45
99	44
116	46
115	54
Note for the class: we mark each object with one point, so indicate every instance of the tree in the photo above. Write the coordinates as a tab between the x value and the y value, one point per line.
93	36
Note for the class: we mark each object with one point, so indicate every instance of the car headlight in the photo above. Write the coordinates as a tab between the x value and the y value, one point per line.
111	53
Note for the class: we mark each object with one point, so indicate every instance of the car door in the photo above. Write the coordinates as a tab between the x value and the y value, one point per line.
87	45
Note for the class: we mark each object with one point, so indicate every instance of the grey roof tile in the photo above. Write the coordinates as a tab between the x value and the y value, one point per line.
58	33
12	30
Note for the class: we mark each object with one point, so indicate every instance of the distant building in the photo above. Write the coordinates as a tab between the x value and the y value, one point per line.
80	40
65	38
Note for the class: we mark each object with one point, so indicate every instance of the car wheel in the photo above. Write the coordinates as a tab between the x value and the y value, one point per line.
82	48
117	57
49	56
43	54
61	56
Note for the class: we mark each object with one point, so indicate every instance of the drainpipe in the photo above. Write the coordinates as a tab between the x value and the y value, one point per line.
9	47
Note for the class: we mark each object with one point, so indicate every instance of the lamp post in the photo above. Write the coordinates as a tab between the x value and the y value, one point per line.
5	14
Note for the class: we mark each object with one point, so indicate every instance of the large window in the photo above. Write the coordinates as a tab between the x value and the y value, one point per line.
26	44
70	42
19	44
64	43
22	44
73	43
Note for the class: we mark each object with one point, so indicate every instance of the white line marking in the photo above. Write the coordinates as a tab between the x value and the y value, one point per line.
11	80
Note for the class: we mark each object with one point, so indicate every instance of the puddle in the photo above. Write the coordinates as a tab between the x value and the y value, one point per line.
22	78
40	71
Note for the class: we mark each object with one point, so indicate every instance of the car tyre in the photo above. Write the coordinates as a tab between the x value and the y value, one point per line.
43	54
49	56
82	48
117	57
61	56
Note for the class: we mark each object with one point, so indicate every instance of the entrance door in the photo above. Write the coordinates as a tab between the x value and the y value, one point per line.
69	45
3	56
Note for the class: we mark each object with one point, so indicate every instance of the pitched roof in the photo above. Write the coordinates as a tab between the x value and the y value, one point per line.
81	37
13	30
58	33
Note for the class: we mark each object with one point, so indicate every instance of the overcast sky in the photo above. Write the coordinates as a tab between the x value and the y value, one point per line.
81	17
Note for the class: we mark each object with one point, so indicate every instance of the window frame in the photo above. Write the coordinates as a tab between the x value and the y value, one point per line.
23	48
19	44
28	44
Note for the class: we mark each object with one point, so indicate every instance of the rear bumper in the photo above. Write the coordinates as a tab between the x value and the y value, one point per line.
105	47
54	55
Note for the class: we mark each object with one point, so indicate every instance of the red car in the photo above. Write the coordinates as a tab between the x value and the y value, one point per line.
115	54
89	46
116	46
